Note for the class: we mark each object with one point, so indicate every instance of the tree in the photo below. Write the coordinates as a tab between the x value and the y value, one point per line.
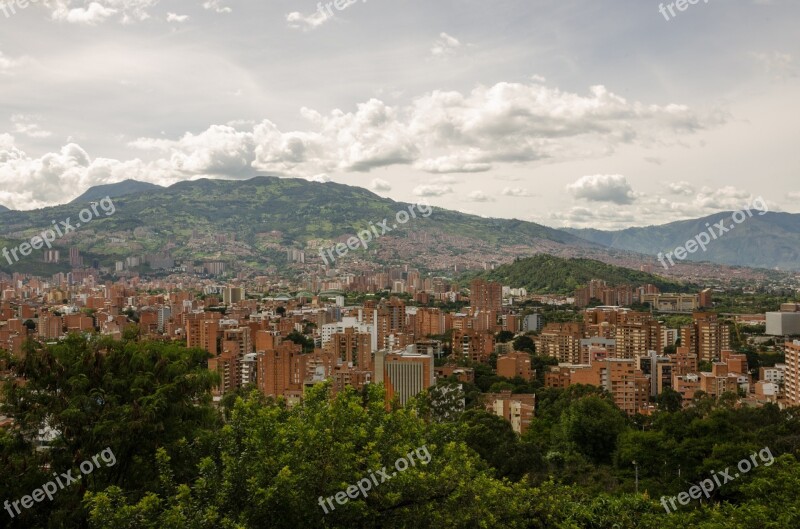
504	336
592	425
524	343
669	400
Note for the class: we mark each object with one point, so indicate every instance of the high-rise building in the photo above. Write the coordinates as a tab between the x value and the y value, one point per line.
75	259
403	373
561	341
486	295
792	373
706	336
282	371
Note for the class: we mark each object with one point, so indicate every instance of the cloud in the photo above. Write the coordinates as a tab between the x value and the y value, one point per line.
433	190
603	188
480	196
6	64
439	132
680	188
380	185
457	163
445	45
779	65
25	125
216	6
174	17
298	20
515	192
793	195
99	11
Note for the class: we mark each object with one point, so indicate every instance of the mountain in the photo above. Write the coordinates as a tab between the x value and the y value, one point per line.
120	189
253	223
771	240
3	208
549	274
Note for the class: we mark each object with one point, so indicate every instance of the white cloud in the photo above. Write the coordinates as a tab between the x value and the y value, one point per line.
378	184
440	132
99	11
445	45
6	64
216	6
793	195
174	17
603	188
433	190
480	196
515	192
297	20
26	125
681	188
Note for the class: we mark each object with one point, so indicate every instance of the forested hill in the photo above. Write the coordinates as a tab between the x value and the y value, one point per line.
549	274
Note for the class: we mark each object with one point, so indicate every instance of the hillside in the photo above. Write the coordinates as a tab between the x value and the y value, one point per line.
771	240
3	208
252	223
549	274
120	189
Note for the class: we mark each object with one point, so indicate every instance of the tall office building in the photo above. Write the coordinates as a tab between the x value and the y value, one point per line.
404	373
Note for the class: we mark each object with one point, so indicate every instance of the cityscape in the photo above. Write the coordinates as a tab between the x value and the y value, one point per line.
528	265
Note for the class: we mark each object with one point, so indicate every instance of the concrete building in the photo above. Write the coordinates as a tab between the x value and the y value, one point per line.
404	373
783	323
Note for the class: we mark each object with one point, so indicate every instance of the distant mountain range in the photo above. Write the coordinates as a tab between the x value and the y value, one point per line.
770	241
253	223
120	189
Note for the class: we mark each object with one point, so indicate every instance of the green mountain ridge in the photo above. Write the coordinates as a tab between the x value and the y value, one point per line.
267	215
549	274
770	241
119	189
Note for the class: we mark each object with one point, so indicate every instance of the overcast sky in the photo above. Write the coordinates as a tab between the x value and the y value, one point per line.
567	113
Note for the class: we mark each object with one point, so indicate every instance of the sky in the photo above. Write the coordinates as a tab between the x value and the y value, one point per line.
566	113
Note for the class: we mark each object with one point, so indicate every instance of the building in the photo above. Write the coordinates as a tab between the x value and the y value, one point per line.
629	387
783	323
672	302
404	373
706	336
516	365
792	373
486	295
282	371
518	409
561	341
532	323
